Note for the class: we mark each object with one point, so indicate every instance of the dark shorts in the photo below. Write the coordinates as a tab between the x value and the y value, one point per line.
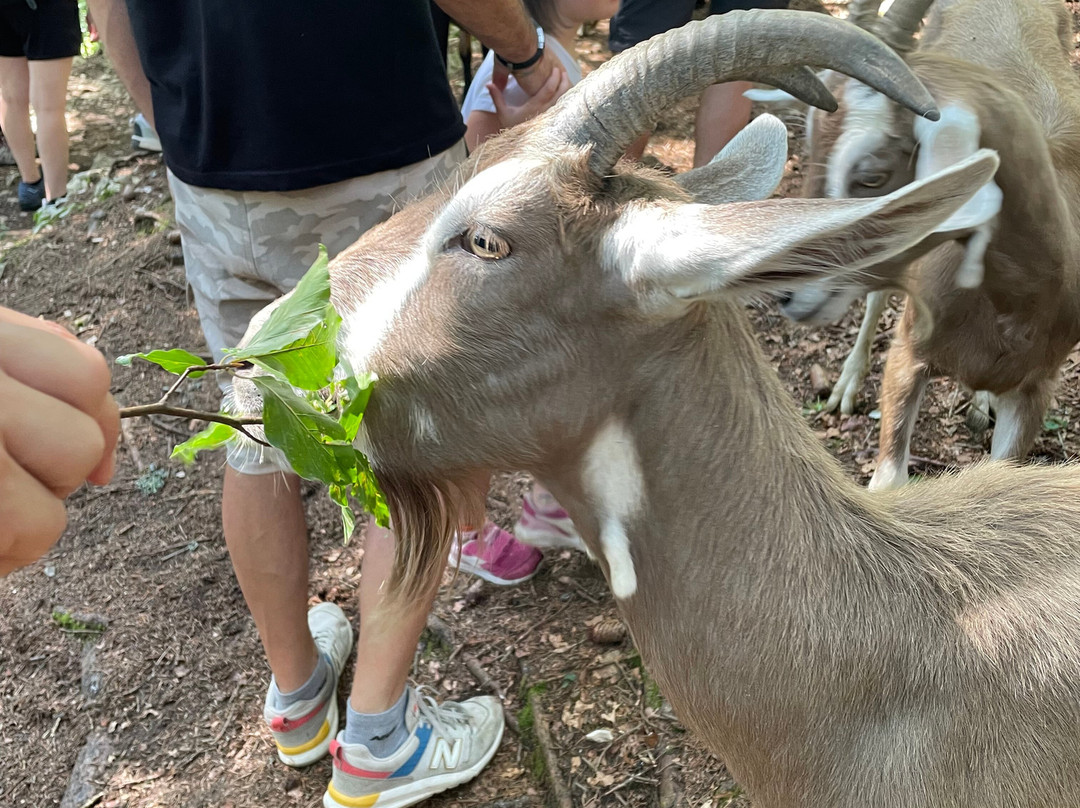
638	20
51	31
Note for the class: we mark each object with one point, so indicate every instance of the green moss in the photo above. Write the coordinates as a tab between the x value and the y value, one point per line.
653	697
68	622
537	765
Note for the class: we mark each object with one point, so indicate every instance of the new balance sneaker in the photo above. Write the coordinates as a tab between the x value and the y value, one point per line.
143	135
544	523
495	555
31	194
304	730
448	745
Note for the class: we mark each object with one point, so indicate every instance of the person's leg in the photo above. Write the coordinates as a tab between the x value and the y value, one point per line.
723	112
48	95
388	637
266	532
262	512
15	115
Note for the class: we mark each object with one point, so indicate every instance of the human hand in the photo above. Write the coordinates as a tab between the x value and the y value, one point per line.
509	116
58	429
531	79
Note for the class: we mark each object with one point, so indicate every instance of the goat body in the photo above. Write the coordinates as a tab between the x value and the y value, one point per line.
551	311
1006	62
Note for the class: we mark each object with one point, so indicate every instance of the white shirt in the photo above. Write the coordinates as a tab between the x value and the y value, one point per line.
479	98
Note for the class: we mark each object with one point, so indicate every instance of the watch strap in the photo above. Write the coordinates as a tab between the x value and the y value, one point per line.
515	66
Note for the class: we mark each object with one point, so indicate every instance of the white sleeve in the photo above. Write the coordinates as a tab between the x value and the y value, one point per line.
478	96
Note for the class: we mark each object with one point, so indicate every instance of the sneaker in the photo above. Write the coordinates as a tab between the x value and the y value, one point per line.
448	745
304	730
544	523
495	556
143	135
53	205
31	194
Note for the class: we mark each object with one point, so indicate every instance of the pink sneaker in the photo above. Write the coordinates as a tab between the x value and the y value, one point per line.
544	523
495	556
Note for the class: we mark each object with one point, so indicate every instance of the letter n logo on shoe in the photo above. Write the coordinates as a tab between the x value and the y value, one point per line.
446	754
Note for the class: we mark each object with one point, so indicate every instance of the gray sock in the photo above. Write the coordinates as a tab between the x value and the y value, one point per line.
308	690
382	733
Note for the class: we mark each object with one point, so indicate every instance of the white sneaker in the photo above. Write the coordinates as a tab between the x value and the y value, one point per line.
304	730
143	135
448	745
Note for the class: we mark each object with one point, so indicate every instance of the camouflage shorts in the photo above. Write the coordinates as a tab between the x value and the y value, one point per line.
244	249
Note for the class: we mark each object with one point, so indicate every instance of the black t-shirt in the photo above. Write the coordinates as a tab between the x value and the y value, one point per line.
279	95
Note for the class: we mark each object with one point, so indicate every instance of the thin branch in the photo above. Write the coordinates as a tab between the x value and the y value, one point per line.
200	369
238	423
542	731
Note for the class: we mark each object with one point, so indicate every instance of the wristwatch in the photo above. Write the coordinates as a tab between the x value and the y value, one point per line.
513	67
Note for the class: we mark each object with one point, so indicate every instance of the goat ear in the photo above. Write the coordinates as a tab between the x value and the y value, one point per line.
672	253
946	142
747	169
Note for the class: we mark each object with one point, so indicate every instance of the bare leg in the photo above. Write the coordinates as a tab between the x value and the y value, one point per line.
388	636
1019	418
857	364
266	532
48	94
15	115
722	113
901	393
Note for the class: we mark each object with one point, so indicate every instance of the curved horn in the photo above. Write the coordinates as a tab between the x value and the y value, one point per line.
625	97
900	23
864	13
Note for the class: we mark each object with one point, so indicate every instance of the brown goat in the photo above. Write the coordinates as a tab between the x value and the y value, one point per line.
1003	317
552	311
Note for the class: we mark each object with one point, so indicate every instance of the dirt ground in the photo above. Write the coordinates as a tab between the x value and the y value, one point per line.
129	648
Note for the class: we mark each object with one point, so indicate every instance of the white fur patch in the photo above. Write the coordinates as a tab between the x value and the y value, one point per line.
423	424
481	190
366	327
614	482
669	245
945	143
866	126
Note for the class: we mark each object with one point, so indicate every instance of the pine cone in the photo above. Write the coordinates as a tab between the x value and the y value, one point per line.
609	631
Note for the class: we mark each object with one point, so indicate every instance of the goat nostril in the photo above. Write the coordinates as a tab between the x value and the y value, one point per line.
783	298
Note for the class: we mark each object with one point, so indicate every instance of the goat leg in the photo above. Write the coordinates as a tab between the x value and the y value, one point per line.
1019	417
902	388
857	364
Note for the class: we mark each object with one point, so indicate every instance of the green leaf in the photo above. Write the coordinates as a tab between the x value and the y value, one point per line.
366	489
302	311
175	361
308	362
313	442
339	494
212	437
357	393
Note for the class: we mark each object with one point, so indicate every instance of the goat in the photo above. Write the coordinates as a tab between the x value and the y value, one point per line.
1001	311
554	311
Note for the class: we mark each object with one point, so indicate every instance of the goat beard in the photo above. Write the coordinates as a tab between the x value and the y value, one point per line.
426	516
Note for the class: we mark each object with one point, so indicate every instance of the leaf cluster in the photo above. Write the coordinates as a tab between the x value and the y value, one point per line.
313	403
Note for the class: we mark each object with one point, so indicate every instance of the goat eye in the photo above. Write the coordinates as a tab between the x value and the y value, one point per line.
483	243
873	180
